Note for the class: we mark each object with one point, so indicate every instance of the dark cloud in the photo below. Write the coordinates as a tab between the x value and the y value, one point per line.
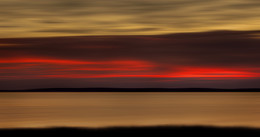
132	30
220	48
52	22
77	31
8	26
87	31
58	60
245	5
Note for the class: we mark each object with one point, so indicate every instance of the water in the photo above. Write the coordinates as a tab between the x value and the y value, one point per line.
128	109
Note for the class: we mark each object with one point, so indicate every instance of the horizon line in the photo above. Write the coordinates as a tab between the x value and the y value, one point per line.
110	89
124	35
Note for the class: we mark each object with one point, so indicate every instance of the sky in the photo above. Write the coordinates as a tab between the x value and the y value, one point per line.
36	18
129	43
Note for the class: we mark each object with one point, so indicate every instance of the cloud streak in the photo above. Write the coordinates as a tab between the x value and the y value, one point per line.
183	58
124	17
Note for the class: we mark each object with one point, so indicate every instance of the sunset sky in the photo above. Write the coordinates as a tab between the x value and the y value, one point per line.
129	43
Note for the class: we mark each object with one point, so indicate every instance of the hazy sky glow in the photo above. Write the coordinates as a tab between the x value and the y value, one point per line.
34	18
129	43
227	59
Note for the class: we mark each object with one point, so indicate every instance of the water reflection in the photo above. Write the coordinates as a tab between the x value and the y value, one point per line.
117	109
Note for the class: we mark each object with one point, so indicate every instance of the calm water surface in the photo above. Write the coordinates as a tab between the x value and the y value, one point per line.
128	109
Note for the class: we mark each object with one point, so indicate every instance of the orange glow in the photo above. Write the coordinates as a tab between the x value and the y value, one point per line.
62	68
63	61
214	73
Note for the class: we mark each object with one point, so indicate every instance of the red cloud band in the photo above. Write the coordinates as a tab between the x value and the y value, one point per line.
18	68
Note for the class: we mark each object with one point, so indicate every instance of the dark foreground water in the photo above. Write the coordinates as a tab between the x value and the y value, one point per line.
128	109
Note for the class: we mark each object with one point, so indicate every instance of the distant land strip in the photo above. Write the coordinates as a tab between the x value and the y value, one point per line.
135	90
135	131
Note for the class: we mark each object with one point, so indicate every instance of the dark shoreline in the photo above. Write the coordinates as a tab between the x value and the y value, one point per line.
135	90
133	131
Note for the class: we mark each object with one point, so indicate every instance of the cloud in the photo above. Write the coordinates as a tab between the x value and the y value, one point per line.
77	31
220	48
51	21
114	17
8	26
206	55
